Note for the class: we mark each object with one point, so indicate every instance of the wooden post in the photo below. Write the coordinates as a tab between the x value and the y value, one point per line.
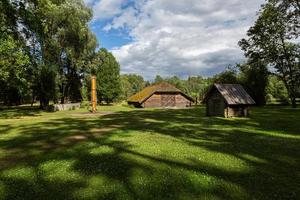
94	96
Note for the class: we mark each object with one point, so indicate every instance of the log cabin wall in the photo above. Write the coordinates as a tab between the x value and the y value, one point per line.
165	100
182	101
228	100
215	104
237	111
153	102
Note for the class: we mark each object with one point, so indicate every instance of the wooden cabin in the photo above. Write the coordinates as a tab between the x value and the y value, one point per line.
163	95
228	100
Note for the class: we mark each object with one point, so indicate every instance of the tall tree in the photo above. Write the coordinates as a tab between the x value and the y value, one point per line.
273	38
254	76
60	38
13	69
56	37
108	76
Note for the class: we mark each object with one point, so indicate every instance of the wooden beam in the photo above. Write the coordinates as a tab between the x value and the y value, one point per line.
94	95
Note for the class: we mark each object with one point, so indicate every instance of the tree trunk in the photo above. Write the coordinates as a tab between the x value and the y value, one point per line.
44	103
294	102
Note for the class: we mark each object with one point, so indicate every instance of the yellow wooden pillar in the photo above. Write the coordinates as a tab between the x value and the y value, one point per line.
93	95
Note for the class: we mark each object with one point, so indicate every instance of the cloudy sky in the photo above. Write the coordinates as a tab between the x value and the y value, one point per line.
173	37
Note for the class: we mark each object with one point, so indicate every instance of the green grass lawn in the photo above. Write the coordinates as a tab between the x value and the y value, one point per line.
123	153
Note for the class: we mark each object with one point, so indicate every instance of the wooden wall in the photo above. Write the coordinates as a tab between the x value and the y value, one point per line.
215	105
182	101
237	111
153	102
167	100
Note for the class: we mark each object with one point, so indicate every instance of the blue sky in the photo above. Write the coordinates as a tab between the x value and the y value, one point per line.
110	39
167	37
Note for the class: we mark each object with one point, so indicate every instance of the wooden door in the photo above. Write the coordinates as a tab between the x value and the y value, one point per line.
168	100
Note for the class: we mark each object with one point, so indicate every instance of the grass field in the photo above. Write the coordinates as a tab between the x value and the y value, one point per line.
123	153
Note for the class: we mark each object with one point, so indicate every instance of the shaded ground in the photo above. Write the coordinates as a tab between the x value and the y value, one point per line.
150	154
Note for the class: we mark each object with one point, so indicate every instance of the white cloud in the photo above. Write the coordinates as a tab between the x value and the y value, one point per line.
105	9
89	2
184	37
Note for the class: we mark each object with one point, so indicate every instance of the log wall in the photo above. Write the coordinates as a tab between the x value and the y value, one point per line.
167	100
153	102
215	105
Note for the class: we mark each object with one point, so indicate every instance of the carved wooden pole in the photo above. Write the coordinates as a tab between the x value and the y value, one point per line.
94	96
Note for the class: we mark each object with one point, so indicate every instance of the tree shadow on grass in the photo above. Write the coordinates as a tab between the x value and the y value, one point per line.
102	165
19	112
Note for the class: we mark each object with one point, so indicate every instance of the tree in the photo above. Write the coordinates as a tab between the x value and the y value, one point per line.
254	77
273	39
47	86
227	77
276	90
13	62
56	37
158	79
131	84
197	87
108	76
177	82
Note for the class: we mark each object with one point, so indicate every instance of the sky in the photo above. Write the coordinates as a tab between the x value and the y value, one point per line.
173	37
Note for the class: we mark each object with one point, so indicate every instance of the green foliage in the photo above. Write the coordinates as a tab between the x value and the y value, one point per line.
175	80
52	33
13	63
273	38
131	84
254	77
108	76
47	79
197	87
227	77
158	79
277	90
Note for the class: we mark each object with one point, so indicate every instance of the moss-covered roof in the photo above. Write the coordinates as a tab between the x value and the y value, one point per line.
143	95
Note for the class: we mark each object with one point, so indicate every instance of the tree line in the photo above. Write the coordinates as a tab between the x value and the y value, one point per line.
265	88
48	54
47	51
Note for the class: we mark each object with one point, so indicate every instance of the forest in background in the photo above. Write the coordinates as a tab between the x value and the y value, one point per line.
48	54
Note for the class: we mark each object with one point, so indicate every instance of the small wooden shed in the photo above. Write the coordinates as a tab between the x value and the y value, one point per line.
228	100
161	95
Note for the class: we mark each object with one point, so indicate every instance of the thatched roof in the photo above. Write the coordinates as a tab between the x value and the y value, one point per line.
234	94
163	87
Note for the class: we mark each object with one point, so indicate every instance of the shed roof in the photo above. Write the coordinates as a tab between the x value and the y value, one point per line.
143	95
234	94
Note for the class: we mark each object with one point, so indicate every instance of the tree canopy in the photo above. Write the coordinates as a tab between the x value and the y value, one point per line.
273	39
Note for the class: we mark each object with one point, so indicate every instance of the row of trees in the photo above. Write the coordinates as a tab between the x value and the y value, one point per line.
261	85
47	49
